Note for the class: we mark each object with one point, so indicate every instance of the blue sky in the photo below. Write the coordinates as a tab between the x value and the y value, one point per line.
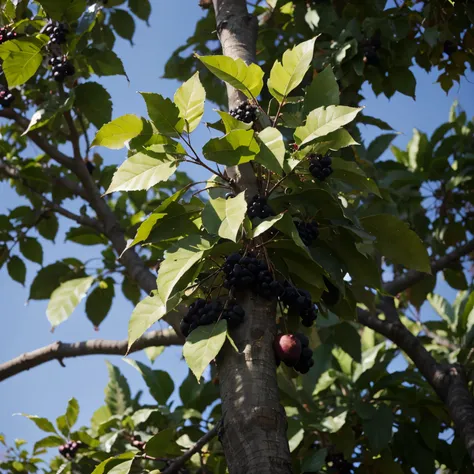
45	390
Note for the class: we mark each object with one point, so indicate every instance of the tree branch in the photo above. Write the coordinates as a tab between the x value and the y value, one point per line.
36	138
179	462
59	350
13	173
411	277
448	380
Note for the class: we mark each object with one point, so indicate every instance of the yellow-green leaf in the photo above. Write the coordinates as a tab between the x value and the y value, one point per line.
322	121
115	134
288	74
142	171
203	345
190	99
245	78
65	298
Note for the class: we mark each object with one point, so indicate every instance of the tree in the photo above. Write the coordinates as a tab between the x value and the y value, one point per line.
299	221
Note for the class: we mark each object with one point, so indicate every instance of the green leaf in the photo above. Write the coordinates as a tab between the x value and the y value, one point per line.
17	269
190	98
178	260
397	242
287	226
110	464
123	24
44	116
243	77
213	215
49	442
85	236
164	114
159	382
322	121
154	352
231	123
65	299
93	100
315	461
443	308
351	174
48	279
203	345
235	148
104	62
146	313
404	81
376	122
163	444
117	391
420	153
235	211
99	302
333	141
379	145
31	249
379	429
48	227
72	412
42	423
272	150
288	74
69	10
115	134
21	58
142	171
322	91
266	224
141	8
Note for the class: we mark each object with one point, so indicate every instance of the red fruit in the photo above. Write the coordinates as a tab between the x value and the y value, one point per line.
287	348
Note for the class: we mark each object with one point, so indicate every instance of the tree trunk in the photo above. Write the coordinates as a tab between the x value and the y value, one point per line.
254	424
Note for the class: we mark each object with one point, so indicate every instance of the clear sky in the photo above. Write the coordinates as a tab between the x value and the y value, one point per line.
45	390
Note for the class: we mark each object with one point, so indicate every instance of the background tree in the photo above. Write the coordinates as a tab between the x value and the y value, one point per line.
317	218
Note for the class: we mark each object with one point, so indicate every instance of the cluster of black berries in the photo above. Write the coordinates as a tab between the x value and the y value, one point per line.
202	313
258	207
337	462
245	112
308	231
138	443
299	300
57	33
320	166
249	273
6	35
61	68
6	97
294	351
370	49
69	449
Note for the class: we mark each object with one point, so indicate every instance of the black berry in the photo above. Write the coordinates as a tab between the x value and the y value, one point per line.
248	273
70	449
308	231
202	313
320	166
57	33
245	112
6	35
449	47
258	207
61	68
6	97
299	300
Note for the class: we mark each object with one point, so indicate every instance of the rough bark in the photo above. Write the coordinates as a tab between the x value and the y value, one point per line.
253	433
